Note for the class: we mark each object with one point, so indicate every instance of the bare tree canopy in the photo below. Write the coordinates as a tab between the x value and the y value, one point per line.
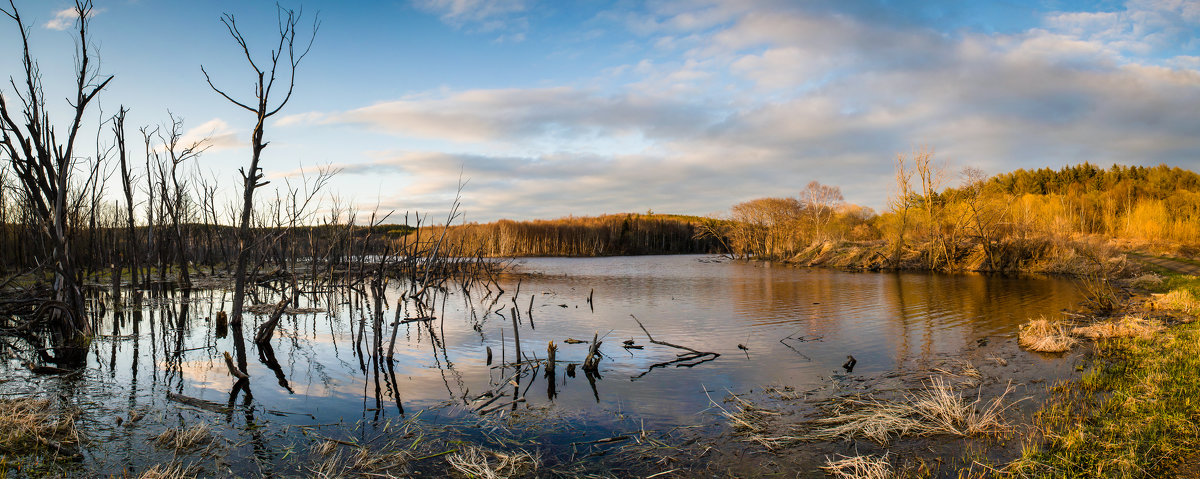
43	161
281	65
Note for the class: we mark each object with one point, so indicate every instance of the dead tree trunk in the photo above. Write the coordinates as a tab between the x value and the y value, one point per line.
43	164
283	62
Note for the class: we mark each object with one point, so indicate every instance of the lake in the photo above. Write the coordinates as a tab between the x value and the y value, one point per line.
771	326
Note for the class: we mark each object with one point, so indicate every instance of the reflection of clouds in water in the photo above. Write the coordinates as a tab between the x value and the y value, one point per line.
885	320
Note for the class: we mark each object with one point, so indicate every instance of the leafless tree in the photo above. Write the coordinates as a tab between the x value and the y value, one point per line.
169	154
984	216
127	179
819	201
43	161
281	68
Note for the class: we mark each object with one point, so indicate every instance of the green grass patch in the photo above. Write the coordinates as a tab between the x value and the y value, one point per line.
1134	413
1180	260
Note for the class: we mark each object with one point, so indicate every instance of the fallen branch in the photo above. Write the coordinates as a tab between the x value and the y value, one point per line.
267	329
664	343
682	360
199	403
237	373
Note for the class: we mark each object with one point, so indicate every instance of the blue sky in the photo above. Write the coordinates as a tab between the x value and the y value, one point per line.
585	107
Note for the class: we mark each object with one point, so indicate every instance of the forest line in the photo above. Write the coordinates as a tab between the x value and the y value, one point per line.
1067	220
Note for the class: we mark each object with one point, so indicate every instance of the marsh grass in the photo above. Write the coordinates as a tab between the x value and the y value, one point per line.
172	470
936	409
183	440
751	423
31	426
1128	326
1181	300
859	467
476	462
1135	413
1045	336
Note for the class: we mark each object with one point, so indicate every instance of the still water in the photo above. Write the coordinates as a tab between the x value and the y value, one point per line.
771	325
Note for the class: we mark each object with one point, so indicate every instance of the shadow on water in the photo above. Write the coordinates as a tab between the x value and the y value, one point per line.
347	364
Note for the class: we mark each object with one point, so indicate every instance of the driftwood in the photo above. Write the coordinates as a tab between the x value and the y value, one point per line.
592	361
692	358
414	320
199	403
237	373
267	329
664	343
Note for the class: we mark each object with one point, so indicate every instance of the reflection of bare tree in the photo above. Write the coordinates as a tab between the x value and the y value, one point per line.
266	355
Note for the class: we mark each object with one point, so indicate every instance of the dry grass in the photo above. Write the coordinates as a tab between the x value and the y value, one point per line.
476	462
361	462
1126	327
1044	336
859	467
1147	281
751	423
966	376
936	409
1178	300
185	440
173	470
28	425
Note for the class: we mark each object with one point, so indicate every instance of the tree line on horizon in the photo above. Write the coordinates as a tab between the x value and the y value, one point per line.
939	215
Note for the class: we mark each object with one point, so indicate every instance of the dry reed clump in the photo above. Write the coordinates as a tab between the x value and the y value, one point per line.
967	376
172	470
936	409
362	461
28	424
751	423
185	439
1178	300
1126	327
476	462
859	467
1147	281
1044	336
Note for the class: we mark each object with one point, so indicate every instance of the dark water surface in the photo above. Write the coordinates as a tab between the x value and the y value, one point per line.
798	326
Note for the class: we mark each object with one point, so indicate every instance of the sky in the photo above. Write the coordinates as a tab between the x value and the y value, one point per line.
547	108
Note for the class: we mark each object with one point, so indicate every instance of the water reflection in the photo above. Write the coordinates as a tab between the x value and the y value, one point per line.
372	352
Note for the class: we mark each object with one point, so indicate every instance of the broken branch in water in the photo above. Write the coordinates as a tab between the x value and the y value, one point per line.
237	373
268	328
592	361
683	360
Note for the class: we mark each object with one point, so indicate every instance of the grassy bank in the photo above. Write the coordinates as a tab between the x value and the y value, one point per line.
1081	255
1136	410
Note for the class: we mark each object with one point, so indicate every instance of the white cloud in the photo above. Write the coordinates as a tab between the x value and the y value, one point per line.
761	99
215	134
297	119
63	19
479	15
507	115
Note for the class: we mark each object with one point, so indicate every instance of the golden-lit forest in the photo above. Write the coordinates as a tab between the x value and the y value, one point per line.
1061	220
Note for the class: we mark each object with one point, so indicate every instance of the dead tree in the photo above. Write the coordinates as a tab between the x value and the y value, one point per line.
170	153
127	180
43	162
819	201
284	59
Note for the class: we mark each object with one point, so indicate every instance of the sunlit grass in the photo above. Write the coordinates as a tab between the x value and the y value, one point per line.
1135	413
1045	336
